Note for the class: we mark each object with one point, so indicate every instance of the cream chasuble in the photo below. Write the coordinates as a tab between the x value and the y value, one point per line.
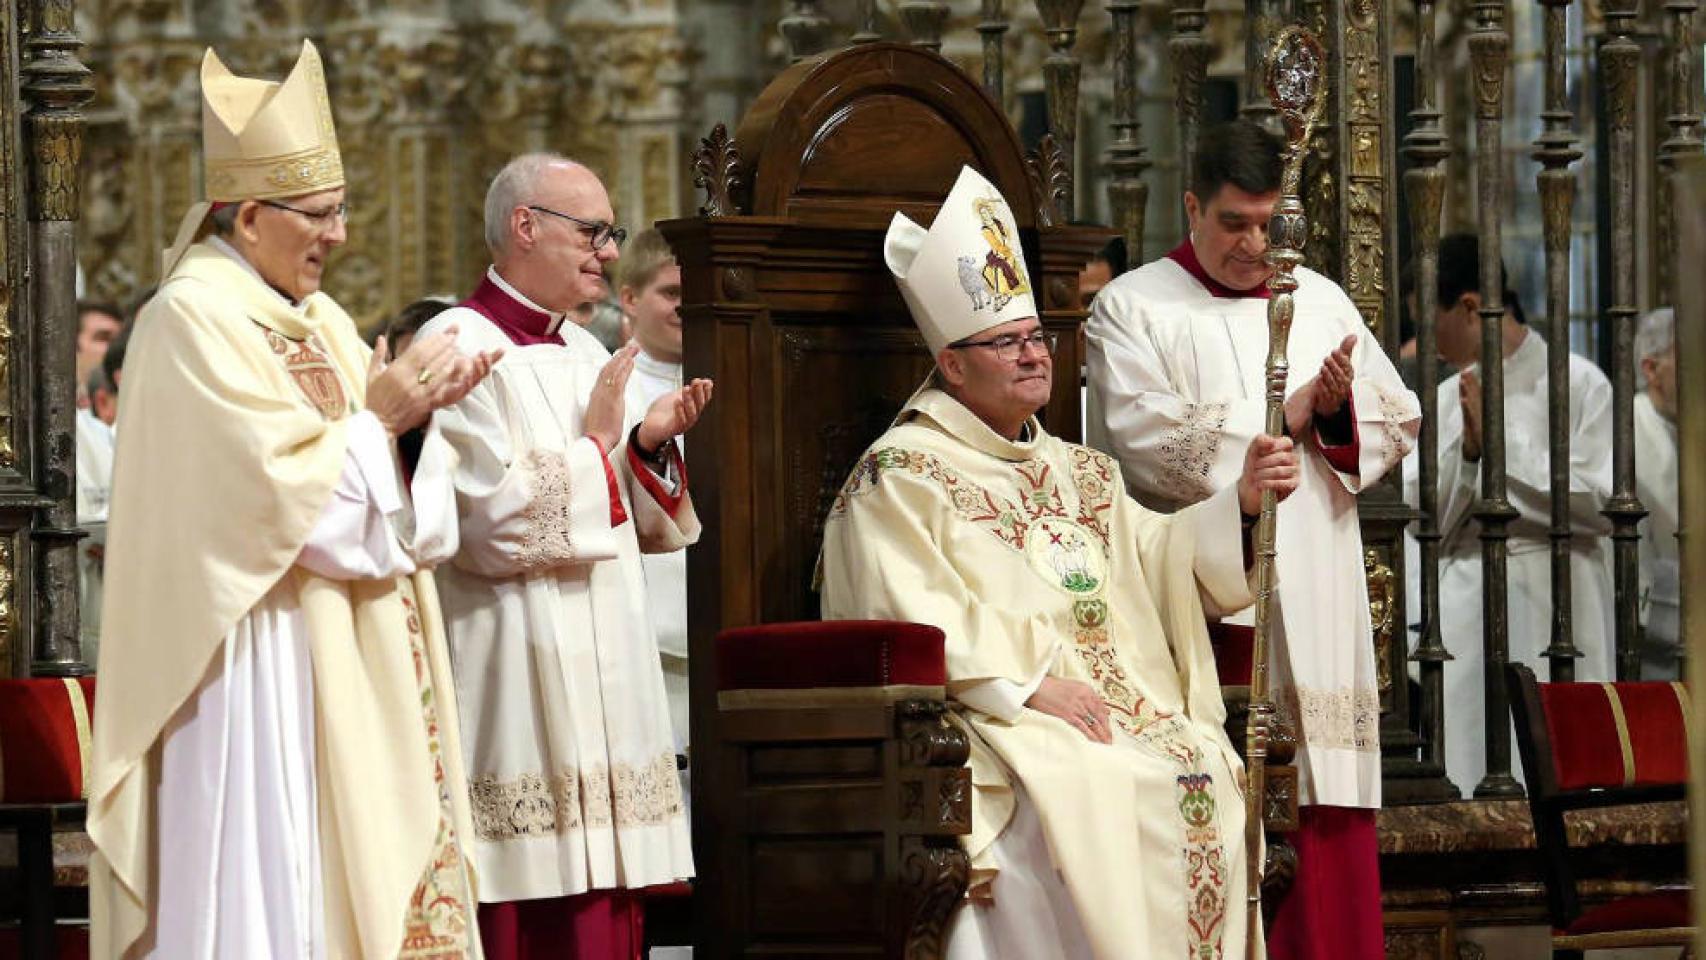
565	720
1032	559
276	770
1178	375
1529	570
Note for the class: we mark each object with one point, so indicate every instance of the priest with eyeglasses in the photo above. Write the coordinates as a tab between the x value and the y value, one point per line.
1107	809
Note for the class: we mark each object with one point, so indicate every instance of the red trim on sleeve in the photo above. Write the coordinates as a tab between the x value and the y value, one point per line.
618	516
671	503
1345	457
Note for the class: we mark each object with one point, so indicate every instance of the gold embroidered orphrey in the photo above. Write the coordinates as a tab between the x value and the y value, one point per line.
309	364
1068	549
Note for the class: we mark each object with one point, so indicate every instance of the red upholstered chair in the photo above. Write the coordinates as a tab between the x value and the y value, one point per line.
839	788
1595	745
45	726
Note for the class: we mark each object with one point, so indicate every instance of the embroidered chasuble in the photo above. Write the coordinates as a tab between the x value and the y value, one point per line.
566	723
1032	559
1176	366
276	767
1528	569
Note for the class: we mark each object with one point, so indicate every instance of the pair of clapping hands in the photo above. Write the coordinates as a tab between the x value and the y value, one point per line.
1270	463
432	374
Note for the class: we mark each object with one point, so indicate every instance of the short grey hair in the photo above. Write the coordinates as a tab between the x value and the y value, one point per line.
517	183
1656	334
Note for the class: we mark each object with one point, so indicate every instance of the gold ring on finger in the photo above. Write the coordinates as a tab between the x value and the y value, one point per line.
424	377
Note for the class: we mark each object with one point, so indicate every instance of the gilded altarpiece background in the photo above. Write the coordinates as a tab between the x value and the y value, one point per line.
430	96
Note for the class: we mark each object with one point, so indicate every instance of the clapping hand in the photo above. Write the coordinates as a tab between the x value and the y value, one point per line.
673	414
1333	383
431	374
605	406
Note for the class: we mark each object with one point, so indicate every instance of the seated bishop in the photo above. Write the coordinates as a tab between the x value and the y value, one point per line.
1107	812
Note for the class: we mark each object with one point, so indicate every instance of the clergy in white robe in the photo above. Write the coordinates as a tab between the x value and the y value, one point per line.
1655	485
275	768
557	486
1177	365
650	289
94	487
1107	813
1528	484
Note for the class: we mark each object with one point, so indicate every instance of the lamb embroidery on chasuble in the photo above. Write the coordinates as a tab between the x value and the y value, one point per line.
310	366
437	923
1068	549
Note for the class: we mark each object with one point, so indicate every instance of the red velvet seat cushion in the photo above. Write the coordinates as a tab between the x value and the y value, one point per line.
1601	731
830	653
44	739
1653	911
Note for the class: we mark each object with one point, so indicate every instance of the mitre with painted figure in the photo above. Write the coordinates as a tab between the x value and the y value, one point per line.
967	272
261	140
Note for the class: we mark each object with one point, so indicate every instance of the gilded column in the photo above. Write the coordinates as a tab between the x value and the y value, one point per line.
1189	52
1556	150
1060	76
1619	63
1489	48
1424	187
1128	195
56	86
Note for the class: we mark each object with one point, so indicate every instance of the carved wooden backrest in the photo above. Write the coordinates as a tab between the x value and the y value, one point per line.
788	305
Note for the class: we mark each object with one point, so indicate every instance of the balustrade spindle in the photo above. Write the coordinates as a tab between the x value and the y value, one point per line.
993	29
1189	52
1128	194
1424	187
1489	48
1619	65
1556	150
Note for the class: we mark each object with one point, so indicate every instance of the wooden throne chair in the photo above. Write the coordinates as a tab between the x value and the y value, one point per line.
828	788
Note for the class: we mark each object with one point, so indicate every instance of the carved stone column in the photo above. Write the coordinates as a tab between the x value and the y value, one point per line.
56	85
1683	54
1061	73
1556	150
1619	69
1489	47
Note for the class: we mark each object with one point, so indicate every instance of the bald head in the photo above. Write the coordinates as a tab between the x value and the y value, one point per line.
541	215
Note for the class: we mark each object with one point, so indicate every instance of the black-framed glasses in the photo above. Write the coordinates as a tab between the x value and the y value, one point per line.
319	218
599	232
1010	348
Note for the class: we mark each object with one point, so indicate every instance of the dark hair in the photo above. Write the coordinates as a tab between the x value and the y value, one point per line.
1113	254
1238	152
1460	273
113	361
411	318
97	306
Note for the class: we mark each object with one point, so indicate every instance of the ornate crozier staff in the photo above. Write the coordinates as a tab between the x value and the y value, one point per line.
1296	65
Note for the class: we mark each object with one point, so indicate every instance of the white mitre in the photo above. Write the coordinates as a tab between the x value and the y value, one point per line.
967	272
261	140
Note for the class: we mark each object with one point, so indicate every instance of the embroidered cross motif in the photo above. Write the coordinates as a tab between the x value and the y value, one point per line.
310	365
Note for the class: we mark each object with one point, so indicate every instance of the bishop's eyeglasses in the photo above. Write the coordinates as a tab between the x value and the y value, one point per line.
599	232
319	219
1010	348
